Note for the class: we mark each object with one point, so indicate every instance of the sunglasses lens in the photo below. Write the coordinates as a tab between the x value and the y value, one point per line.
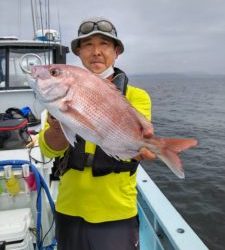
104	26
87	27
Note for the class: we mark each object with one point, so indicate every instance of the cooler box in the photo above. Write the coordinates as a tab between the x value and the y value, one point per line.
14	229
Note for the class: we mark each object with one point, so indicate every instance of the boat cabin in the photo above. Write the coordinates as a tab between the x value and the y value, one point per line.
18	54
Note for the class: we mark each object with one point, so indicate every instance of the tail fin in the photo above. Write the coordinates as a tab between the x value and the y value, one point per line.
167	150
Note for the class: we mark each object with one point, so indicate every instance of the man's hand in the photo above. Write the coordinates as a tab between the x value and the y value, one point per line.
145	153
53	123
54	136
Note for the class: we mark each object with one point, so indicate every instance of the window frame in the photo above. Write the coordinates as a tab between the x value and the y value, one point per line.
30	49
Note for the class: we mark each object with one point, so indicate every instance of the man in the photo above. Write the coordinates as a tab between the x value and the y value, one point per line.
96	208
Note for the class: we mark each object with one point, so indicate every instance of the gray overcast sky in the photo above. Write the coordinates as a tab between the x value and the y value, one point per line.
159	35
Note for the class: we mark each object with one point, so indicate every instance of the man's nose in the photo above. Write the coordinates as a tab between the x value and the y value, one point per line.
96	50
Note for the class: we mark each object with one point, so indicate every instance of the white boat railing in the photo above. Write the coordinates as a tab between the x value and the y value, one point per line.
171	231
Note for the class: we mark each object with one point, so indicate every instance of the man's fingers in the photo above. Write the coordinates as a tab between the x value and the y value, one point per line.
148	133
53	122
147	154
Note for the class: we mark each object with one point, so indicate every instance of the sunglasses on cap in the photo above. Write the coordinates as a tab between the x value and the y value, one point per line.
103	25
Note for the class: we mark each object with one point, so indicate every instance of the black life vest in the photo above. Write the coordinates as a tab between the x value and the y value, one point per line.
101	164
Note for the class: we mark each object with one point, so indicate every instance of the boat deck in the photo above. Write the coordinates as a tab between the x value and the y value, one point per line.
161	226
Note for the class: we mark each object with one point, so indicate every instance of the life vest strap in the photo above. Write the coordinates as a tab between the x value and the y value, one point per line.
100	162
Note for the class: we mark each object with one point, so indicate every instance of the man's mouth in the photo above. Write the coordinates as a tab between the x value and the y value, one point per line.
96	62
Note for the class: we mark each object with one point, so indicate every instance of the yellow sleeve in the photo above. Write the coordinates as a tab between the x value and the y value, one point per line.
45	149
140	100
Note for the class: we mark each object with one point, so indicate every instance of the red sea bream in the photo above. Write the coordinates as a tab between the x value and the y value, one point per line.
94	109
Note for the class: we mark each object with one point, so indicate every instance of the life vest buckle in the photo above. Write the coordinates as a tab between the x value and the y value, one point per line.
89	160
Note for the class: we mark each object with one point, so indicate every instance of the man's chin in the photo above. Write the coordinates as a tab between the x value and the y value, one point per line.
97	68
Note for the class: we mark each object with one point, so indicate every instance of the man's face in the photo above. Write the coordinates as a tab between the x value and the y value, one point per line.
97	53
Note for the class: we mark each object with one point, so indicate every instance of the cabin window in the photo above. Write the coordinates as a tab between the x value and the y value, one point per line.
17	78
2	68
11	74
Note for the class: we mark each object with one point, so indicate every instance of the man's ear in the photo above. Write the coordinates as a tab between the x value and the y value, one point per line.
117	49
77	51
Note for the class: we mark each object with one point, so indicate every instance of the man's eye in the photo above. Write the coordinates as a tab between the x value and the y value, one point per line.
87	44
54	72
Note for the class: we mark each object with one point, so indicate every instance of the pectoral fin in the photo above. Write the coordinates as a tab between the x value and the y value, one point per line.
75	114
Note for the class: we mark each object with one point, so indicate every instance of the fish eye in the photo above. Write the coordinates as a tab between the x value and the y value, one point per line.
54	72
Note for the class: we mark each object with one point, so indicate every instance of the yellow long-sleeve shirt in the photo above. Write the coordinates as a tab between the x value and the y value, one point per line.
99	199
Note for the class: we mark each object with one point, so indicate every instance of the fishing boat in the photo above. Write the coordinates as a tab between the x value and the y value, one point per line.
26	207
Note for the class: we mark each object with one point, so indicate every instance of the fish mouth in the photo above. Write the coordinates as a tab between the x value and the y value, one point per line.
49	93
31	81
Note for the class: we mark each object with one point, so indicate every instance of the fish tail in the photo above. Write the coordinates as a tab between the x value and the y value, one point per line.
167	149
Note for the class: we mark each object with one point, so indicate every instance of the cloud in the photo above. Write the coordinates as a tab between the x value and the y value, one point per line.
159	35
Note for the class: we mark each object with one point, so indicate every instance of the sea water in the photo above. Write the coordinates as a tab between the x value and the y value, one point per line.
192	106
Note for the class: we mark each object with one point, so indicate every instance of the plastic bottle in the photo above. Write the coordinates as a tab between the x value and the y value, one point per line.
29	177
11	183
